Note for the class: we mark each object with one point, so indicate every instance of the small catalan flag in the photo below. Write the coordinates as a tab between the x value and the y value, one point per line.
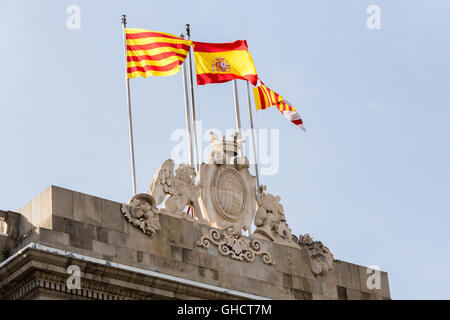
152	53
265	98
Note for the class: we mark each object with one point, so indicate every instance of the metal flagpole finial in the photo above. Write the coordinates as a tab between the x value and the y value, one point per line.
124	20
188	30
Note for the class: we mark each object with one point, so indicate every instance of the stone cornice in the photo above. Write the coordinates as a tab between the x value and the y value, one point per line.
38	267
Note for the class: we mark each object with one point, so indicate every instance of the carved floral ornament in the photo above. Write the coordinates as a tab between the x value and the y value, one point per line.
225	198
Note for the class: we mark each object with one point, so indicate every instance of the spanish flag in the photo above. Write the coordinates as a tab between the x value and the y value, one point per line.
152	53
222	62
265	98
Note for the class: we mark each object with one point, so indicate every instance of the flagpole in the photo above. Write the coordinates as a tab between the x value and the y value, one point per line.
130	123
238	114
250	112
194	117
188	113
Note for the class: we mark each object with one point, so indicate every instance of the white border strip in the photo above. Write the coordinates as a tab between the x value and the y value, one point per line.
164	276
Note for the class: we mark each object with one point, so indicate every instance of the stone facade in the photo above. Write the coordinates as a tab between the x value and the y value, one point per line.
60	228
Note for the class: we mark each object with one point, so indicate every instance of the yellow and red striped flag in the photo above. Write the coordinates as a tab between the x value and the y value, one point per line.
265	98
152	53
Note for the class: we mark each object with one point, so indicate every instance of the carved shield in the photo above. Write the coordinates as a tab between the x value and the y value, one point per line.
228	195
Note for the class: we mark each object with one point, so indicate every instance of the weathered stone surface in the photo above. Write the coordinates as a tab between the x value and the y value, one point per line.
302	295
111	216
189	256
55	237
208	273
383	291
38	212
329	287
80	243
342	293
62	202
176	253
348	275
87	208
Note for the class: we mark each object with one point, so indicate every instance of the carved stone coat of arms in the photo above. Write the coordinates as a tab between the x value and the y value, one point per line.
227	188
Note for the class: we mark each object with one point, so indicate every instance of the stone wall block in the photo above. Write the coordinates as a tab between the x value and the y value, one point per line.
302	295
112	216
62	202
171	229
348	275
175	253
104	248
25	219
52	236
208	273
189	256
272	275
36	209
384	290
80	242
311	285
206	260
140	242
46	209
187	270
238	268
329	284
160	248
117	238
283	258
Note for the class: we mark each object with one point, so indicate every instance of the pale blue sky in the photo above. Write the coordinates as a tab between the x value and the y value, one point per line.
371	176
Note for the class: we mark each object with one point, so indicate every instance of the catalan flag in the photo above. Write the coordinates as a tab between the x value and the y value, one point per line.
222	62
265	98
152	53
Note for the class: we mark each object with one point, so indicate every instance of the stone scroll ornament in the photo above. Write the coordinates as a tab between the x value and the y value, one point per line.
142	213
234	245
321	258
270	220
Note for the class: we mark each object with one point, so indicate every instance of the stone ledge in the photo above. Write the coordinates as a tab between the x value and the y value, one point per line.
46	267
